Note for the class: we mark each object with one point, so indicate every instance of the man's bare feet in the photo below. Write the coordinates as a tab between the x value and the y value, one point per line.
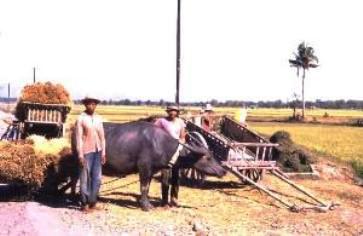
85	209
174	202
95	207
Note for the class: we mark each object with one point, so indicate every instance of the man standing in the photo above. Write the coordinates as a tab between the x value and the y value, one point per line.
175	127
206	119
91	148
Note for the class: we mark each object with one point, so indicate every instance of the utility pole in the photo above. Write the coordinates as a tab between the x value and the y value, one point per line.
34	75
8	92
177	95
8	107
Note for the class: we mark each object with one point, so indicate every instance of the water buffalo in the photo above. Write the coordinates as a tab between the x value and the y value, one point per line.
144	148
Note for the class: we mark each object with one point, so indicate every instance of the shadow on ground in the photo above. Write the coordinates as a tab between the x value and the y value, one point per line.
15	193
208	184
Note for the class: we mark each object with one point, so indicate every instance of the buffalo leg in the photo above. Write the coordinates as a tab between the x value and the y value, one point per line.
145	179
73	186
165	186
175	182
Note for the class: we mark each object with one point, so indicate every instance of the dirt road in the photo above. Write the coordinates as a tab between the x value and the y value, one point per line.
219	208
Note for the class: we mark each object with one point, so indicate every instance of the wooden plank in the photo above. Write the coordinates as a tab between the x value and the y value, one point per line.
41	122
244	178
218	146
45	105
42	112
250	163
63	130
50	115
231	121
238	144
269	154
263	153
29	112
300	189
263	168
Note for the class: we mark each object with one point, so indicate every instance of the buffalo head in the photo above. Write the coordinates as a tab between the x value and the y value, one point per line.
199	157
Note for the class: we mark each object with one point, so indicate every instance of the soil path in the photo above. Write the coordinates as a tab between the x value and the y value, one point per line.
219	207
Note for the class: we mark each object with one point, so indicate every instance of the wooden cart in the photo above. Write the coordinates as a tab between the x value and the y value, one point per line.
248	156
42	119
237	145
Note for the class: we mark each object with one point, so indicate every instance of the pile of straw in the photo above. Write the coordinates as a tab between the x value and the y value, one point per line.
37	163
291	157
45	93
42	145
42	93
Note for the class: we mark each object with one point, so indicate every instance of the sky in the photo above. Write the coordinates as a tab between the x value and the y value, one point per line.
231	49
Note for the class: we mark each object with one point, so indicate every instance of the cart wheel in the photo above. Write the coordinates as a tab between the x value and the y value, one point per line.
254	175
193	176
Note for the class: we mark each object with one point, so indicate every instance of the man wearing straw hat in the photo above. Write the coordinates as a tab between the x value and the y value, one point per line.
91	148
175	127
206	119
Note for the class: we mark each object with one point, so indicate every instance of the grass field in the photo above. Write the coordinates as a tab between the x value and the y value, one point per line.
127	113
227	208
337	141
309	112
340	142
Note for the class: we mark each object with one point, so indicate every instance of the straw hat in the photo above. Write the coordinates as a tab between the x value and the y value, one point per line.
208	107
88	99
172	108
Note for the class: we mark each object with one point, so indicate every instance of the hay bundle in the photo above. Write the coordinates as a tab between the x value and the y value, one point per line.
42	93
291	157
45	93
32	165
42	145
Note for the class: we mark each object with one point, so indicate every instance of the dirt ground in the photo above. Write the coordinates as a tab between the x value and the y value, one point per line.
219	207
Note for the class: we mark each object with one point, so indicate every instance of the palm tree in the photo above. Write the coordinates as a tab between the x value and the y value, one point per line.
294	103
304	60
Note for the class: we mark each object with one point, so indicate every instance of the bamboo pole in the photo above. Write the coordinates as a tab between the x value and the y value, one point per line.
299	188
262	188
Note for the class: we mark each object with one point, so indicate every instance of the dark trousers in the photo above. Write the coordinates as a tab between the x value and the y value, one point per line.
90	179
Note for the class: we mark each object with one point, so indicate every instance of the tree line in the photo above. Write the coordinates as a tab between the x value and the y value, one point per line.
325	104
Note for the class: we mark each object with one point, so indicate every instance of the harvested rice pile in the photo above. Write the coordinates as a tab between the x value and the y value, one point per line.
42	145
37	163
290	156
43	93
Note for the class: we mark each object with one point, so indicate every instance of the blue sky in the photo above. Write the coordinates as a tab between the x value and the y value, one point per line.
231	49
